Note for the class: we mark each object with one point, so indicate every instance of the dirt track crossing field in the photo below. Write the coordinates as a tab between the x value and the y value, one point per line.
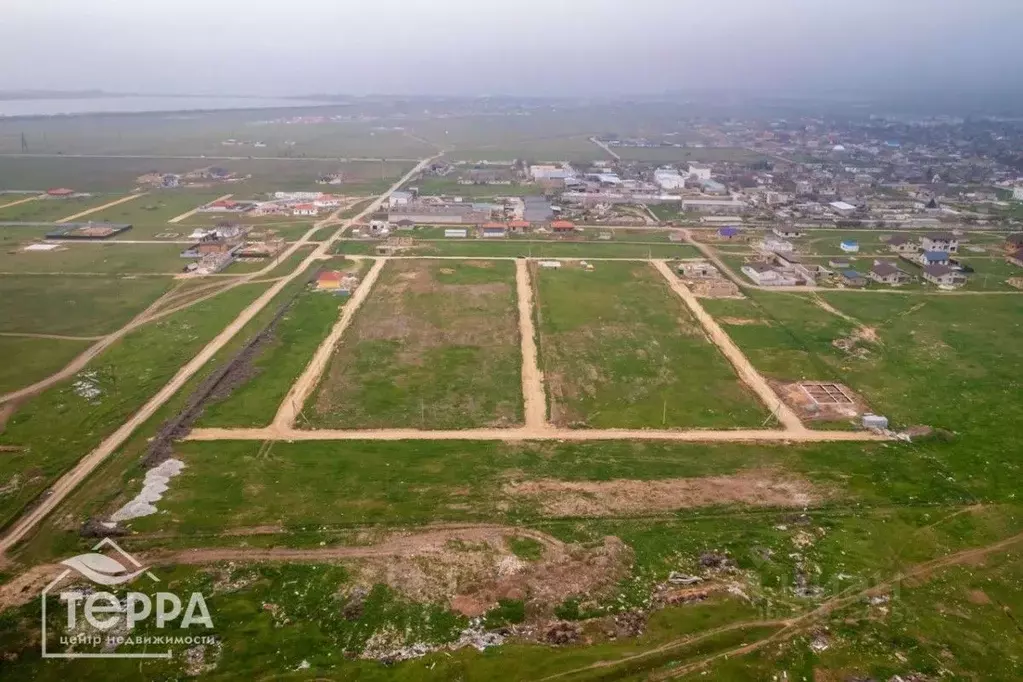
532	378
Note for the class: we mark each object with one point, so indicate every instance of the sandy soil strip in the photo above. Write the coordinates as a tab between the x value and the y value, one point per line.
546	433
122	200
189	214
19	202
532	378
742	365
55	495
300	391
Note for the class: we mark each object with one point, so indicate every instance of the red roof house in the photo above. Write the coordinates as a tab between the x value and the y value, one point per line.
562	226
60	192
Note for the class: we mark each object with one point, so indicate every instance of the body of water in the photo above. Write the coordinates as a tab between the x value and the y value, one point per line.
135	105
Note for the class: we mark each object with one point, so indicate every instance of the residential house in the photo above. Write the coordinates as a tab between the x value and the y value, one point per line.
933	258
839	263
943	276
1015	258
327	201
776	245
211	245
456	233
842	208
60	192
791	264
851	278
518	226
787	232
221	206
767	276
399	198
940	241
563	226
849	246
405	225
1014	242
887	273
899	243
328	280
492	230
305	210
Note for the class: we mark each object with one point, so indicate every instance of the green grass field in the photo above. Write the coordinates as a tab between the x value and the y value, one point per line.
619	349
104	258
34	359
434	346
74	306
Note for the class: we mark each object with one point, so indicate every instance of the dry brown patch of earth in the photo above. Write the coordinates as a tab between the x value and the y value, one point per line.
628	497
742	321
978	597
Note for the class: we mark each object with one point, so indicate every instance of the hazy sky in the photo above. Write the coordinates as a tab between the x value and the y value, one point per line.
544	47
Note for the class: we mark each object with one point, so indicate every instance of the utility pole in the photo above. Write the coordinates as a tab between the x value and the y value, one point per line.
24	144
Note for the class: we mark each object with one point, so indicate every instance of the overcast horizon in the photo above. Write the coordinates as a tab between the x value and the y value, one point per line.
455	47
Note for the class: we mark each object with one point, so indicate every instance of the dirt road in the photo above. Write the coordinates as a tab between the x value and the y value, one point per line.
77	216
49	500
303	388
607	149
540	433
750	376
532	378
189	214
19	202
56	337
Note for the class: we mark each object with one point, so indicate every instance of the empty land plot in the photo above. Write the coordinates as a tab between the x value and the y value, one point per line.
232	485
49	210
436	345
83	306
619	349
280	360
105	258
27	360
786	336
148	215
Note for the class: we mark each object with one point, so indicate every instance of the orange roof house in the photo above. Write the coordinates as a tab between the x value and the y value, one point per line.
328	280
562	226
